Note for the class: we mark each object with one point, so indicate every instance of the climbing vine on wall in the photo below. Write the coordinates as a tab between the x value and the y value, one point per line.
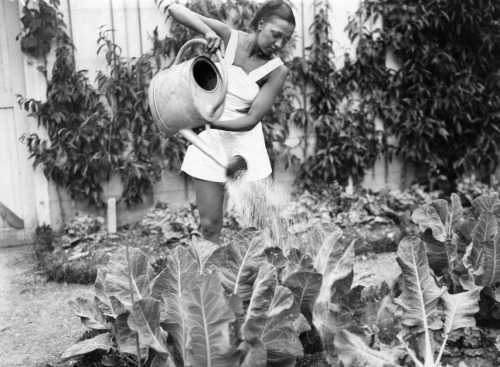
442	100
85	143
346	143
42	23
138	151
76	123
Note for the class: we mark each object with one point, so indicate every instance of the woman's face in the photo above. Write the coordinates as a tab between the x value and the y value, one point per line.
274	35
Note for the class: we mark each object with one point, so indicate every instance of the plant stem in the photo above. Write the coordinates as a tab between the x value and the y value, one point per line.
132	298
441	350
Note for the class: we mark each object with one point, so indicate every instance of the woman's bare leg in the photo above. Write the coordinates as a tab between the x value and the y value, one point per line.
210	201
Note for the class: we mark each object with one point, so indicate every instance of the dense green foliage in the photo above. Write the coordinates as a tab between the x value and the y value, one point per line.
137	150
89	140
41	24
441	99
441	102
74	155
247	286
345	140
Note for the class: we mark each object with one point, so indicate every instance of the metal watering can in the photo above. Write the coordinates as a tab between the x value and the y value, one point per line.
188	95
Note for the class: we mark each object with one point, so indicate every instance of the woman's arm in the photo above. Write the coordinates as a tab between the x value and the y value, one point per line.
212	29
260	106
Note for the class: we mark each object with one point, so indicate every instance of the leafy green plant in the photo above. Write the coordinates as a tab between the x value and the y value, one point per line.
346	143
81	228
463	250
173	226
447	271
138	151
42	23
232	312
441	102
445	274
43	244
419	301
75	153
347	320
85	144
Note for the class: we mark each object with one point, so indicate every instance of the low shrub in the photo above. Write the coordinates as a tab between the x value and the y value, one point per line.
43	244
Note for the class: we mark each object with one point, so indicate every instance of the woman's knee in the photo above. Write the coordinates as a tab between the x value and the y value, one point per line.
210	226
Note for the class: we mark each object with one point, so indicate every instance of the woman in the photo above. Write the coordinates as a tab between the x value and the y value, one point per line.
255	77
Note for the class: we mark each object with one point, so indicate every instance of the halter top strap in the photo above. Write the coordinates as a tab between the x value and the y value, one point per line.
231	47
256	74
265	69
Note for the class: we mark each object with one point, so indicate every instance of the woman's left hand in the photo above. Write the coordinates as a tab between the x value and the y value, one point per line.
214	42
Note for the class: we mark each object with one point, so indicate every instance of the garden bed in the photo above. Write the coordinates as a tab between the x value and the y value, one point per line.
370	231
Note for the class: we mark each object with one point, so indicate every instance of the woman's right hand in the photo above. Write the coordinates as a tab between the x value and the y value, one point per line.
214	42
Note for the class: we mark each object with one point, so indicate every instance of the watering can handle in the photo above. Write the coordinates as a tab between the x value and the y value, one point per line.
221	61
188	134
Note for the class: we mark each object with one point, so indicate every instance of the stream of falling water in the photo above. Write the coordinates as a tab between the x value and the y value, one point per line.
269	206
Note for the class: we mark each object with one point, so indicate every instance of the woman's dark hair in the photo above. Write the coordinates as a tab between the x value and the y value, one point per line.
273	8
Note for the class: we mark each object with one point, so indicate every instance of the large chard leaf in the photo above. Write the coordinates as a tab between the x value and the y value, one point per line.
352	348
100	342
296	261
127	280
328	253
99	291
88	312
126	338
336	266
305	287
169	285
485	229
252	346
201	251
420	292
487	203
263	290
112	305
145	320
459	309
438	255
483	254
482	257
208	318
428	217
439	223
156	359
239	261
490	276
278	332
275	256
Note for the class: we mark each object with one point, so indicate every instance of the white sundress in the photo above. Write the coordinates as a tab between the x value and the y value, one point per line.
242	89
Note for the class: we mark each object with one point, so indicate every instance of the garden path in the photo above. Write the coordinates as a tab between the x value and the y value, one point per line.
36	324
